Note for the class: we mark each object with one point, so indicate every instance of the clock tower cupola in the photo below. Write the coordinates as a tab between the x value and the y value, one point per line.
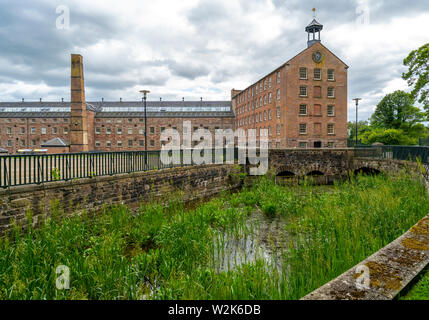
313	30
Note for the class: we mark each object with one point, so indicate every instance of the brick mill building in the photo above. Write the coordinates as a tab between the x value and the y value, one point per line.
302	103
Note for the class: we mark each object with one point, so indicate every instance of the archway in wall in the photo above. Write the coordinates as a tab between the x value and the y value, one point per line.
367	171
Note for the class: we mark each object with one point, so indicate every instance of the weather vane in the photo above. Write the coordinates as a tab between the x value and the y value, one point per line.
314	13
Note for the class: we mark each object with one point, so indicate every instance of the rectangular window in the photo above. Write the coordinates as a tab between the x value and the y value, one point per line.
303	110
330	144
302	128
43	131
152	143
317	74
302	91
278	77
278	129
278	94
108	144
265	100
97	143
278	112
22	143
130	143
33	130
269	98
331	111
269	82
98	130
331	74
331	92
303	73
22	130
9	143
269	114
119	144
152	130
119	131
265	84
108	131
54	130
8	130
303	145
130	130
141	131
141	143
331	128
265	115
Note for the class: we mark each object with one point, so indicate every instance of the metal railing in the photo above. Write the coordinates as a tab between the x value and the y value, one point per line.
17	170
408	153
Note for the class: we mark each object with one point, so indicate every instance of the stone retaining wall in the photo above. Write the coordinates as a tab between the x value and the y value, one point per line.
92	194
384	274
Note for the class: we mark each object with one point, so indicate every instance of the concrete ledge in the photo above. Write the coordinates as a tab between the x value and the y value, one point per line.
387	271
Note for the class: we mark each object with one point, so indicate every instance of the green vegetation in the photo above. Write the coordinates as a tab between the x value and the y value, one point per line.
396	120
420	291
169	252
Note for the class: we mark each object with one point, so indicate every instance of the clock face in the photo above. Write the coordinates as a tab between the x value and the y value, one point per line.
317	57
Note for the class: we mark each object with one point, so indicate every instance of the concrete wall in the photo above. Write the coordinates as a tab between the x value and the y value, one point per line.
131	189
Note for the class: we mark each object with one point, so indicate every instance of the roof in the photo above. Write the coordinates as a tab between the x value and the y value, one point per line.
56	142
119	109
314	26
287	62
3	150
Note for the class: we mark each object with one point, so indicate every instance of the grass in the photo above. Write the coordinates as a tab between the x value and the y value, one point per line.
420	291
167	252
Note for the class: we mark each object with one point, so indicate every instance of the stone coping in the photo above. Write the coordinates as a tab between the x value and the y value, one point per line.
384	274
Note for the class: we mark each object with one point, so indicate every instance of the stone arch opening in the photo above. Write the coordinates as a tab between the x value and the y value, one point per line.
286	174
367	171
315	173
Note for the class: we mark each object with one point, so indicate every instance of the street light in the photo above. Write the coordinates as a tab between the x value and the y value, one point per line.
357	105
145	92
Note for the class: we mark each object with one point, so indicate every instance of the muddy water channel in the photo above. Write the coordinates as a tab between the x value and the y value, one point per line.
261	237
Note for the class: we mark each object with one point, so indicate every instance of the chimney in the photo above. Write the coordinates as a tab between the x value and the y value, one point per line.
102	99
201	99
120	99
22	99
40	99
79	124
62	99
183	99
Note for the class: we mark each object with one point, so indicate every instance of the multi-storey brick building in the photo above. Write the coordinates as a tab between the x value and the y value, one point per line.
302	103
112	126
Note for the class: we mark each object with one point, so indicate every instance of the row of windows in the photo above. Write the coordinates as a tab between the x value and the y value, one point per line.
23	143
317	74
22	130
263	85
330	128
259	117
44	120
317	92
304	145
151	130
257	103
317	110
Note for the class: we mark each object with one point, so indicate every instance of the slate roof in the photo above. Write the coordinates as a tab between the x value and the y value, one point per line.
188	109
314	26
56	142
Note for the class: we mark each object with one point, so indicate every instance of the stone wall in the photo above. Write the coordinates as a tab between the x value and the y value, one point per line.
93	193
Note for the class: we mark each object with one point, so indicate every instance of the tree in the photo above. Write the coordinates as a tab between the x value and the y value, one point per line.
418	74
388	137
363	126
396	111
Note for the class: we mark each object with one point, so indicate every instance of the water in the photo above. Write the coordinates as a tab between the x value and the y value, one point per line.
260	238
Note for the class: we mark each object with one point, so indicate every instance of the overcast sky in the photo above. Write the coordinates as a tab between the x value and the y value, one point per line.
199	48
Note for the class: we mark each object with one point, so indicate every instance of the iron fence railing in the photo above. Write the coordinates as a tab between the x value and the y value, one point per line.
408	153
16	170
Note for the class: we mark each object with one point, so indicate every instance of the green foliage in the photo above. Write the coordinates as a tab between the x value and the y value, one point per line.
417	75
169	251
387	137
55	173
420	291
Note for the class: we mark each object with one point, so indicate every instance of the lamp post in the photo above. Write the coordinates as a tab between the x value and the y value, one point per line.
145	92
357	105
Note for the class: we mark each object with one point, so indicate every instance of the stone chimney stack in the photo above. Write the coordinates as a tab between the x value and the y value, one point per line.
79	123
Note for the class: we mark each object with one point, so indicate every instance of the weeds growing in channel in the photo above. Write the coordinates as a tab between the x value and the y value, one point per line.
169	251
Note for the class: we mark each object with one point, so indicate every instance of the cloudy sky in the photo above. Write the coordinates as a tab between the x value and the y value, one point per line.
198	48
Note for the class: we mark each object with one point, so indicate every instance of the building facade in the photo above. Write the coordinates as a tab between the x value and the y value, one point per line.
111	126
302	104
